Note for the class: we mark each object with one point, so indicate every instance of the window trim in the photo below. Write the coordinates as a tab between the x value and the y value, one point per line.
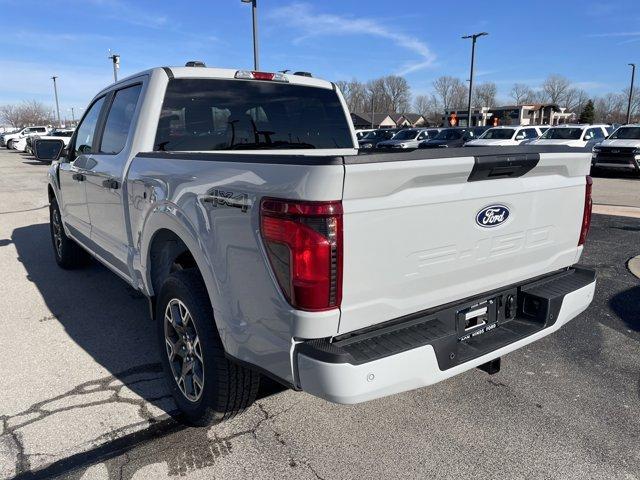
103	120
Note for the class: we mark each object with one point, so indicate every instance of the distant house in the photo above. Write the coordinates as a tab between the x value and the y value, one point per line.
364	120
414	119
387	120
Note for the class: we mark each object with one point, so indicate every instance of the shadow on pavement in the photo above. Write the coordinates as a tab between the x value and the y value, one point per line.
109	320
626	305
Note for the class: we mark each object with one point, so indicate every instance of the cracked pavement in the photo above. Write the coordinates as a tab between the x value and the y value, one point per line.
82	395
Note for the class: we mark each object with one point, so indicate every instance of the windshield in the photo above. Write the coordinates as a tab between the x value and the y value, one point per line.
448	134
627	133
215	114
563	134
406	135
498	133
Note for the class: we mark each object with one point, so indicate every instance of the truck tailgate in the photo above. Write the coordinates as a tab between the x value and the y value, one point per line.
414	236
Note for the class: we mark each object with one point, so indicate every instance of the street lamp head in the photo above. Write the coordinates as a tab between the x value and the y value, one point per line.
631	64
246	1
475	35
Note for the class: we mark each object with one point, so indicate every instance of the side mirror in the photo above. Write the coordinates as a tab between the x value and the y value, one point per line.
520	136
48	150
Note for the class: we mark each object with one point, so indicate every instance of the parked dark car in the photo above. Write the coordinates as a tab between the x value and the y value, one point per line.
371	139
449	137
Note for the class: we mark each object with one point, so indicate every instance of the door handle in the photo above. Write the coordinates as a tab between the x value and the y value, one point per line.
111	183
78	177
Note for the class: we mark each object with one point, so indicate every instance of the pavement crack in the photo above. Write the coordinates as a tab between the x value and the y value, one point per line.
39	411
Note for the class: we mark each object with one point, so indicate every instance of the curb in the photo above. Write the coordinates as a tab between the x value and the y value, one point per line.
634	266
618	210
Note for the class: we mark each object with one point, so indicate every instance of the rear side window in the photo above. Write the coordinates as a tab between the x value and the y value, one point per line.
116	129
214	114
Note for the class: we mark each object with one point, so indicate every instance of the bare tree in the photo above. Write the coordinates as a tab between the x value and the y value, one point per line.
354	94
484	95
609	108
521	93
555	87
30	112
10	115
398	92
429	107
448	89
574	100
459	95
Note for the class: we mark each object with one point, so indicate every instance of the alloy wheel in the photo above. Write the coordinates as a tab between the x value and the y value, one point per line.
184	350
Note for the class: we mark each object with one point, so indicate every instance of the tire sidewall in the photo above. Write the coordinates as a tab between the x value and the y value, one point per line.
179	286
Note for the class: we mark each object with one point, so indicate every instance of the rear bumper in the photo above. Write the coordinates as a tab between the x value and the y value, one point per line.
337	372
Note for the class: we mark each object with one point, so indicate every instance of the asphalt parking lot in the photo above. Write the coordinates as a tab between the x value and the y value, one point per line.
82	394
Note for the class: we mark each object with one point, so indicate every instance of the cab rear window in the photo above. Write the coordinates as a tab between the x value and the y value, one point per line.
215	114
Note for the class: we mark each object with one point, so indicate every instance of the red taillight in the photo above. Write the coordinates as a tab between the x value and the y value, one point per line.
253	75
586	216
304	243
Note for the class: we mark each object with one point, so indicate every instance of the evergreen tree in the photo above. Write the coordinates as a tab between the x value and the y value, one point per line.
588	113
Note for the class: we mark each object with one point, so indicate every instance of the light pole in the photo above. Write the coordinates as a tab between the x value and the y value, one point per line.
115	58
55	92
254	12
633	75
473	38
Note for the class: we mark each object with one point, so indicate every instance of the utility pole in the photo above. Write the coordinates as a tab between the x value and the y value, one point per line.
55	92
254	14
473	38
115	58
633	75
372	111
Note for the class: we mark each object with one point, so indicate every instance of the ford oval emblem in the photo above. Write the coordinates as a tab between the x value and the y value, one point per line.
492	216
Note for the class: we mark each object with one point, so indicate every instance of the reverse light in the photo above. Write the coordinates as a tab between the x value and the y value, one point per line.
253	75
303	241
586	216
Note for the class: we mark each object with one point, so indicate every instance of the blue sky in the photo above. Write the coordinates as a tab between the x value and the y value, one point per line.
589	42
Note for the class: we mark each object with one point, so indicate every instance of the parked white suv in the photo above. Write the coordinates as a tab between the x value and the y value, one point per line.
621	151
506	135
573	135
10	140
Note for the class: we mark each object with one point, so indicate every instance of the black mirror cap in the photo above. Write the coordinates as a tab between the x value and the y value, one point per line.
48	150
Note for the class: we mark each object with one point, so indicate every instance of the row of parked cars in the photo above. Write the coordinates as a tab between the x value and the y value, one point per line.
613	148
25	139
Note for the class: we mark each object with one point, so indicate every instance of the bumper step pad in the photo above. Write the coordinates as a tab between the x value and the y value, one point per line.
538	304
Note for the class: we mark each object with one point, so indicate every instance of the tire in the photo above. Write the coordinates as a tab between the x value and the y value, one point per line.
68	254
226	388
10	145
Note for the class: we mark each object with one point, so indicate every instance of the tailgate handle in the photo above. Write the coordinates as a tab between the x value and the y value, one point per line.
493	167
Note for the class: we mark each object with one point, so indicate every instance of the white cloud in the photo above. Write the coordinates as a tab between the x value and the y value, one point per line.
313	24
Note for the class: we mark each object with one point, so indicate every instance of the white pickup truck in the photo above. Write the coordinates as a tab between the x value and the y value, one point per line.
237	202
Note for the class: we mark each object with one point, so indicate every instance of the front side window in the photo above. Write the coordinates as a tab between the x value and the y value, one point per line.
217	114
87	129
116	129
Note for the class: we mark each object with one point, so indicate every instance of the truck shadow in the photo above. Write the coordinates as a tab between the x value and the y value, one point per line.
109	320
100	313
626	305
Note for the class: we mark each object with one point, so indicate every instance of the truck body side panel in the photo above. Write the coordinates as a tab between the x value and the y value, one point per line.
255	321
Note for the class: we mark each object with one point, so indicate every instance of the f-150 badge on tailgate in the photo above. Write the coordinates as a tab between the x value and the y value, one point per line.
492	216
